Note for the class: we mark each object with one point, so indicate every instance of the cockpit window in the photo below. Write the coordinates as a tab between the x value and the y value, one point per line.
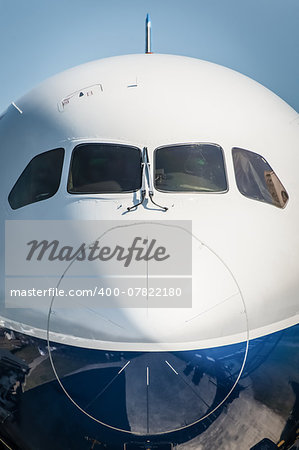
104	169
190	167
256	179
39	180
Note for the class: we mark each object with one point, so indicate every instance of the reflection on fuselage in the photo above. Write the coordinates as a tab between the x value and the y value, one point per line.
130	396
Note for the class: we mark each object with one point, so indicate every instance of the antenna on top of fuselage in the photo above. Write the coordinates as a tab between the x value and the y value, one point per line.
148	32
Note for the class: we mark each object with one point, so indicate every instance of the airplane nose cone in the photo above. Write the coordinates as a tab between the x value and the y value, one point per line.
192	303
151	294
167	330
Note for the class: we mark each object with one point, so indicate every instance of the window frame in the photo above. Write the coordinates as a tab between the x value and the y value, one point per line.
83	143
192	192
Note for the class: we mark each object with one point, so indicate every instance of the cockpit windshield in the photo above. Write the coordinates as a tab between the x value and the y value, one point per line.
104	169
190	167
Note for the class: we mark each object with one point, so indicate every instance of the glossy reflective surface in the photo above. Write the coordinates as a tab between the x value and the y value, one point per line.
104	168
190	168
196	399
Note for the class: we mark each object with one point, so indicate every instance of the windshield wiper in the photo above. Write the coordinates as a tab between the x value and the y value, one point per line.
142	187
146	175
150	181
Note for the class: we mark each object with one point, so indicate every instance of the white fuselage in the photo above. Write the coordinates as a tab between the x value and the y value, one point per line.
152	101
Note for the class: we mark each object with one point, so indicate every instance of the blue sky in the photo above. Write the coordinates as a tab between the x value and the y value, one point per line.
39	38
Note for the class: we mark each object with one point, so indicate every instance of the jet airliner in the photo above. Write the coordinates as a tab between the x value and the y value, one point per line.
191	341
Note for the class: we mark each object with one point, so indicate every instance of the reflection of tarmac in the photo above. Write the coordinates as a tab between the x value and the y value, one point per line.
147	394
162	398
12	376
240	427
291	429
46	419
68	425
